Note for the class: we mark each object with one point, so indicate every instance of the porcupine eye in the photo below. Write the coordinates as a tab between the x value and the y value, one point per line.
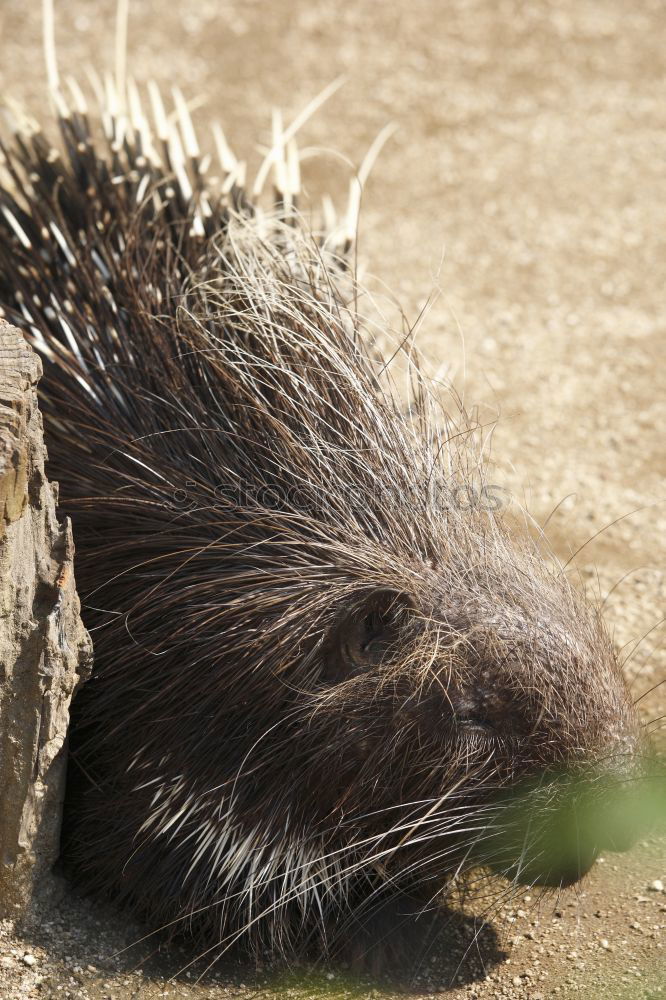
366	635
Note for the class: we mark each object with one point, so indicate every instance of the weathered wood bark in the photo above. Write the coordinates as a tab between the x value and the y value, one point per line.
45	652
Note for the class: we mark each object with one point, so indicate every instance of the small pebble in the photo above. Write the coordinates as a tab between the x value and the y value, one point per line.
29	959
656	886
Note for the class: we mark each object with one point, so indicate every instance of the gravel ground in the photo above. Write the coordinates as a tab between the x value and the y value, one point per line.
523	199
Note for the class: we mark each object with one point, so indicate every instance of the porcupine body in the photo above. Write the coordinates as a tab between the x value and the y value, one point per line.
319	677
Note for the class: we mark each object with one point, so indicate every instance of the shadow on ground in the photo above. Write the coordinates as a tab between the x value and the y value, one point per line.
95	943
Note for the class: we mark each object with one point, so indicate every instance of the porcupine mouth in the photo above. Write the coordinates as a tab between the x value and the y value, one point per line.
557	849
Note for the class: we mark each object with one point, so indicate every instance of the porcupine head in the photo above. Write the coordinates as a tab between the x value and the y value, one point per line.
327	673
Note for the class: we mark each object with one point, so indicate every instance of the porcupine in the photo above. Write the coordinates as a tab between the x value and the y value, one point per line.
320	682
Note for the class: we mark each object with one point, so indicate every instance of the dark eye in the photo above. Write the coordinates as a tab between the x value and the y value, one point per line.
366	635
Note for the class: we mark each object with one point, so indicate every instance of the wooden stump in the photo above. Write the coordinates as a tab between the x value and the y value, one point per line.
45	652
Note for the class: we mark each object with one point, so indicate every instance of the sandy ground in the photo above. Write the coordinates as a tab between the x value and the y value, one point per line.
524	197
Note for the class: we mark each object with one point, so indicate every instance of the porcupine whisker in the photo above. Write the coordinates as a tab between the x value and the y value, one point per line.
365	860
657	648
652	722
485	917
389	808
610	524
633	652
427	863
509	894
637	642
654	687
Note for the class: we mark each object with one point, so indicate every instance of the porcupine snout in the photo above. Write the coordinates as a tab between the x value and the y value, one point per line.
545	737
589	797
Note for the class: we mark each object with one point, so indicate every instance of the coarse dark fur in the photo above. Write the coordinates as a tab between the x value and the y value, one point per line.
322	680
